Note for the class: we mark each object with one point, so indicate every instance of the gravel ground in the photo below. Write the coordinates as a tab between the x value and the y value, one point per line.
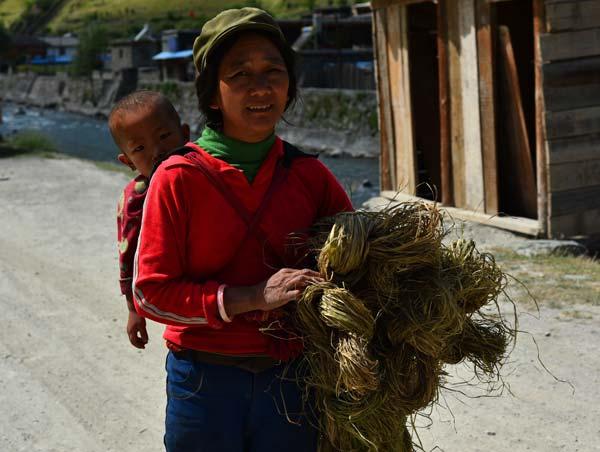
71	382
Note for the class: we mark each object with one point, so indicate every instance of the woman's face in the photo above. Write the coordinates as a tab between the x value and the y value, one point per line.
252	88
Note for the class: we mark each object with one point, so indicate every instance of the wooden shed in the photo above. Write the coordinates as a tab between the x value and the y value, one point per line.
492	107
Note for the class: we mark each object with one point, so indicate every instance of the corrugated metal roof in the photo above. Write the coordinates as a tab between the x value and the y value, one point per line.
173	55
60	59
61	41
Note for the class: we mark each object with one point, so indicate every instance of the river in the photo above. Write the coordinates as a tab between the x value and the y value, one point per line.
88	138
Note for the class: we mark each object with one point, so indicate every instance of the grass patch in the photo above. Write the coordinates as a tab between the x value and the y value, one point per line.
11	10
35	144
28	142
554	281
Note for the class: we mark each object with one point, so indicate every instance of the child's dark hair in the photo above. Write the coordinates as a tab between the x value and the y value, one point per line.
206	85
139	100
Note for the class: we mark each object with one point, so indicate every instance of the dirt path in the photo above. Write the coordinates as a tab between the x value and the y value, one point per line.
71	382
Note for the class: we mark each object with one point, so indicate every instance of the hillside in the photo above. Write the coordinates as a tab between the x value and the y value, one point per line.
11	10
125	17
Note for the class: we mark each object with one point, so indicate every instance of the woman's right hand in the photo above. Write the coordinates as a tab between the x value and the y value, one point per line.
284	286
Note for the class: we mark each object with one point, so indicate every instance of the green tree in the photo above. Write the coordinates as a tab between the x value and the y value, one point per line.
5	40
93	42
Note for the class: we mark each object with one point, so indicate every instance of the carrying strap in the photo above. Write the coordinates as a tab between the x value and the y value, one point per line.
252	220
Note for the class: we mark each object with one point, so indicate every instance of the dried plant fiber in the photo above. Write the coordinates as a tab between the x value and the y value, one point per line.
398	305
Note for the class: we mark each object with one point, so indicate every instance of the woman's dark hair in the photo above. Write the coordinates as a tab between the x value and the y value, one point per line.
206	86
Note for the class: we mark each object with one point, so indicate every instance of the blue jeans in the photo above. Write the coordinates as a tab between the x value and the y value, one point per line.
214	408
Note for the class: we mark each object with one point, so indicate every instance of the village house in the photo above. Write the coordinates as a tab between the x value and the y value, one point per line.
495	104
60	50
175	58
128	54
25	48
335	47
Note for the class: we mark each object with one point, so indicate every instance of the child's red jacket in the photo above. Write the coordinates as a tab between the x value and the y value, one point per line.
129	218
190	234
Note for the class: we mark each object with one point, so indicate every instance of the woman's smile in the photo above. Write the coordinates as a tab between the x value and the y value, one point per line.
252	90
260	108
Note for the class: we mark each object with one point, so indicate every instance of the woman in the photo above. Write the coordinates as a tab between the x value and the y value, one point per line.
213	253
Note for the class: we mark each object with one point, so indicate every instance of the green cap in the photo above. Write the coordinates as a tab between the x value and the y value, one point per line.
228	22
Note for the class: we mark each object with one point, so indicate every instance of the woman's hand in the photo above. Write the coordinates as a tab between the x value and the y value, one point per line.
284	286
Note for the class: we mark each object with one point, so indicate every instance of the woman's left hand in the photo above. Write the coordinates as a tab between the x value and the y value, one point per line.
284	286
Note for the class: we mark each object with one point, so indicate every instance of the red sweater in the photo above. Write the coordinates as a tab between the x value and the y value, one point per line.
129	218
190	232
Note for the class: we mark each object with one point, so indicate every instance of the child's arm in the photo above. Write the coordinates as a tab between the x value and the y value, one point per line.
136	327
129	215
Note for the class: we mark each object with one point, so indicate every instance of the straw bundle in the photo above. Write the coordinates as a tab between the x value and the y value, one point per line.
399	305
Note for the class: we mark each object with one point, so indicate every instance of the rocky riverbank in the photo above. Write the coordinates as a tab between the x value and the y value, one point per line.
335	122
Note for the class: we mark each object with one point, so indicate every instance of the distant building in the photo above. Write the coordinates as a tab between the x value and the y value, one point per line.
129	54
25	48
335	47
175	58
292	28
361	8
342	28
60	50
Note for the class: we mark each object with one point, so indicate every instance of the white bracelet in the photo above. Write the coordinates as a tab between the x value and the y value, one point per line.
221	306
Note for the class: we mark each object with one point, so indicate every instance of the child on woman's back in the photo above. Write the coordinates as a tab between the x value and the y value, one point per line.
144	125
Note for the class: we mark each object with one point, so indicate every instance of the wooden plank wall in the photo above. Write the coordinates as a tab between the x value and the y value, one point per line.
570	50
399	77
541	148
470	101
386	128
473	184
398	163
487	67
465	123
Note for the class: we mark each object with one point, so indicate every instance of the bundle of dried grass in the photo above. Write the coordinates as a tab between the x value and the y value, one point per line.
399	305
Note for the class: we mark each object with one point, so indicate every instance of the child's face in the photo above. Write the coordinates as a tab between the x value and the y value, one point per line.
252	88
145	133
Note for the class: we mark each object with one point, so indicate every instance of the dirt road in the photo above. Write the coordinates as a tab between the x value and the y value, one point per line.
70	381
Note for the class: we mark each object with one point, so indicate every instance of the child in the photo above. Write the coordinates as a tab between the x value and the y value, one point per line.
144	125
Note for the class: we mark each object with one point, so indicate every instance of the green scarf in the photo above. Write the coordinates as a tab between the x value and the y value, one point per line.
245	156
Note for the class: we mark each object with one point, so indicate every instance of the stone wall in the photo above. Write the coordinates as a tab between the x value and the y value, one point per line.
16	88
78	95
336	122
46	91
